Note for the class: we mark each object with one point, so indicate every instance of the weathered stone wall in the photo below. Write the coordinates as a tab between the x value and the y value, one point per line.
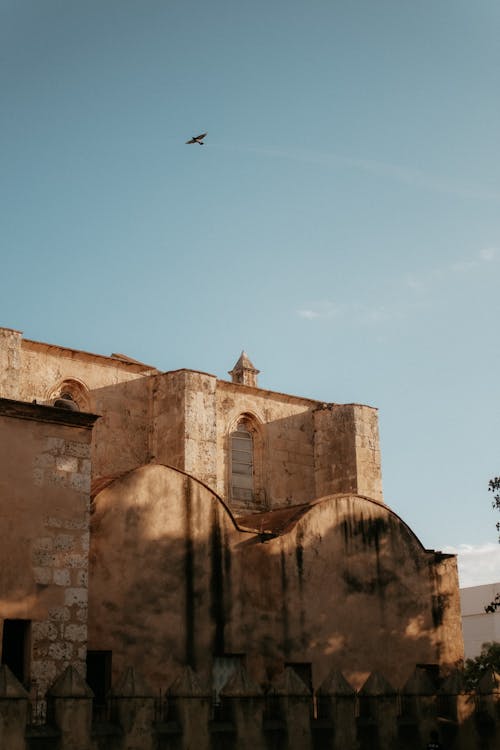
44	527
200	427
184	419
10	362
118	390
342	583
347	450
286	429
168	419
122	437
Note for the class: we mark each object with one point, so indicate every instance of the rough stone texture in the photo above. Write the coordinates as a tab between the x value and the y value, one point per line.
347	451
34	370
339	582
302	449
345	586
48	520
10	362
285	460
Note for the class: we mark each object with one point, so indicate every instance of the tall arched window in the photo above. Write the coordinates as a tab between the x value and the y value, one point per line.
242	464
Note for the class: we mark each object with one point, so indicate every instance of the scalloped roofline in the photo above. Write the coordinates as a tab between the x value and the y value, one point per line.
296	511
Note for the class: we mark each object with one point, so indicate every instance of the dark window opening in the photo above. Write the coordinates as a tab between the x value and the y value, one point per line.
304	670
432	671
99	674
16	648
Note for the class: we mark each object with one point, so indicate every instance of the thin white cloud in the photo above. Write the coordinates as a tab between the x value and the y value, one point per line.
488	254
308	314
406	175
477	564
316	310
462	266
419	283
358	314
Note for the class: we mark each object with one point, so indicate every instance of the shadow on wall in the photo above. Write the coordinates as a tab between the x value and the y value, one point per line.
349	587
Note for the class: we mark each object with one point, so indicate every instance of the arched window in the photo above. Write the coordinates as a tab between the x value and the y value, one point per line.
242	464
73	392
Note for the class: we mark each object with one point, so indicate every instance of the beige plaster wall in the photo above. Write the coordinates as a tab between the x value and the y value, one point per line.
159	554
173	582
44	527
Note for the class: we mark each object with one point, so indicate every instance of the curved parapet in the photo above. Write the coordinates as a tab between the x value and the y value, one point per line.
341	583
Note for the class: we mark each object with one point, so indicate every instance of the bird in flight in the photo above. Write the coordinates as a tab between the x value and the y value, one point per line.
197	139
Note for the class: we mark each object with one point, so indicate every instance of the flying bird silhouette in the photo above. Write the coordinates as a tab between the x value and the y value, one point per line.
197	139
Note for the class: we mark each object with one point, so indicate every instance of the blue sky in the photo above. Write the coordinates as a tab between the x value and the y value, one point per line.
341	223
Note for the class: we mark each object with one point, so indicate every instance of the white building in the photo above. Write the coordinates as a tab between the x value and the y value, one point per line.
479	626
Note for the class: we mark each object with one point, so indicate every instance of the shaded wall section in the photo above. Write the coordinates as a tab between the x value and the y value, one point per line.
44	527
341	583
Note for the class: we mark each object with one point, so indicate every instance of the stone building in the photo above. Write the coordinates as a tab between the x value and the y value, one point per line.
209	523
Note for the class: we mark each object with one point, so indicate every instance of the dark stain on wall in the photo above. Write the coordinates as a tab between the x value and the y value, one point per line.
132	519
372	585
439	604
217	609
284	607
299	557
189	578
368	530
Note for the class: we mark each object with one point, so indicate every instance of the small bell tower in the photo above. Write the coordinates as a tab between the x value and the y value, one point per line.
244	372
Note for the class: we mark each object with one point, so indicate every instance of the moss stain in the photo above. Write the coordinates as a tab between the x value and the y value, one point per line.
284	607
217	609
189	578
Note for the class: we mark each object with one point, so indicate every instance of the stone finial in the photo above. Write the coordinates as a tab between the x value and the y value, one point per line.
188	685
244	372
132	685
239	685
419	684
376	685
288	683
70	685
336	684
10	687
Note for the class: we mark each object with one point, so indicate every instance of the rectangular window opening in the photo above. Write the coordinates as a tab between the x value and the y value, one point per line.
99	665
16	648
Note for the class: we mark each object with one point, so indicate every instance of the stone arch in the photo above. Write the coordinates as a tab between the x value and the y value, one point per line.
73	390
245	452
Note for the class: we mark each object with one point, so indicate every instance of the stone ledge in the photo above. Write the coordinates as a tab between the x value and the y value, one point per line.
51	414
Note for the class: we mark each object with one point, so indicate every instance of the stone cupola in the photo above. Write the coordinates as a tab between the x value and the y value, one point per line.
244	372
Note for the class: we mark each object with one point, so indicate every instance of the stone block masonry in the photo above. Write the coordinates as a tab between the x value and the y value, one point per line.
46	457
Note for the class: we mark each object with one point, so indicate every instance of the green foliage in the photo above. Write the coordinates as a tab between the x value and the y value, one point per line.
475	668
494	486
